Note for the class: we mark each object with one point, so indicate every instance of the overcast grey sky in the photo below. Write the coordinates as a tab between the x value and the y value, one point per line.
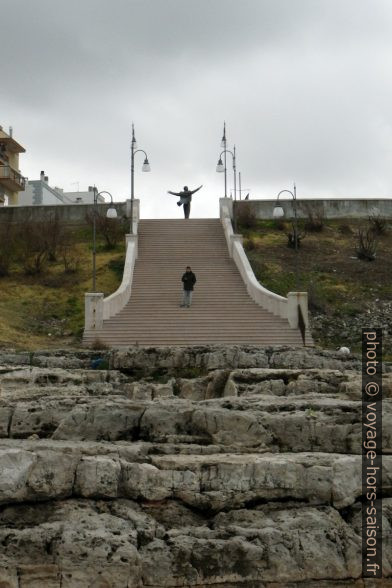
305	87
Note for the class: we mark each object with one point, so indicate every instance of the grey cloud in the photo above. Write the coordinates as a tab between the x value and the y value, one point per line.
304	86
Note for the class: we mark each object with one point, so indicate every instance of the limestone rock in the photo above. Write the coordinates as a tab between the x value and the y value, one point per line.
232	466
100	420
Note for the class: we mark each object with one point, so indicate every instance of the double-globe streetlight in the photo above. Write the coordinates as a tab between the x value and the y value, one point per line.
110	213
145	168
278	212
224	146
222	168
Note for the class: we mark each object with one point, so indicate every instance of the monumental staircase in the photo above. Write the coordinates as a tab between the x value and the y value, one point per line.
222	311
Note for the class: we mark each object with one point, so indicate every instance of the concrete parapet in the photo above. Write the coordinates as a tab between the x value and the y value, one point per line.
98	308
73	214
279	305
332	208
116	301
295	299
93	310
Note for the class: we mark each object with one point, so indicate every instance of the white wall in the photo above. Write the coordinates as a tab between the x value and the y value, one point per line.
25	198
48	197
86	197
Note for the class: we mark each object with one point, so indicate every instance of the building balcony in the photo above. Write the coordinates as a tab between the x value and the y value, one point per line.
11	179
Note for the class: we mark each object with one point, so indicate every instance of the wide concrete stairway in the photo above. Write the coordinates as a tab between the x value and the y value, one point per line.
221	311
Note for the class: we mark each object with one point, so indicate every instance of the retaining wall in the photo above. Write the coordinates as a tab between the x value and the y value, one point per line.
67	213
329	208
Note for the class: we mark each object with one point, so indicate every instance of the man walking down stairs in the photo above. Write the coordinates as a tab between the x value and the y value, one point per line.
188	280
222	311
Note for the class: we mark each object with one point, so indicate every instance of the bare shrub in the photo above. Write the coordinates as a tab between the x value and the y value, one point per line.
295	236
33	250
71	257
366	244
54	233
98	345
378	224
39	241
316	220
111	229
245	215
7	247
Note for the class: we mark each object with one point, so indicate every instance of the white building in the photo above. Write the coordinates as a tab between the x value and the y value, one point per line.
38	193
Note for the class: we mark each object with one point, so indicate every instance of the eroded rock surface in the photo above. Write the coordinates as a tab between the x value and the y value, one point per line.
222	466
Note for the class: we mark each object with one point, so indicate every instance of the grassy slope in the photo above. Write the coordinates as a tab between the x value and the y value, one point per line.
48	309
338	283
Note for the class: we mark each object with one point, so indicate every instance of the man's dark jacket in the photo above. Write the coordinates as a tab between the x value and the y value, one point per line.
189	279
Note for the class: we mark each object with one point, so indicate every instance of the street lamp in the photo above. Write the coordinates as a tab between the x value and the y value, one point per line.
222	168
110	213
278	212
240	190
224	146
145	168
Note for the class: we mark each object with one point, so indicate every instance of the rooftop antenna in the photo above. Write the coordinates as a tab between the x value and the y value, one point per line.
76	184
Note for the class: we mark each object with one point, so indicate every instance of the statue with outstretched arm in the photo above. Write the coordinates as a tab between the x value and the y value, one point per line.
185	198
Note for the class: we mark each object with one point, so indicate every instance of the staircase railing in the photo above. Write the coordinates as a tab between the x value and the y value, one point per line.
286	308
98	308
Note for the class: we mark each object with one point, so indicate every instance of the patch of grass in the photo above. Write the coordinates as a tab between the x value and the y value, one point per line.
338	283
47	310
116	265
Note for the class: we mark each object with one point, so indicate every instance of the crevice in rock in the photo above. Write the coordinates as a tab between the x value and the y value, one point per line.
136	431
176	388
255	502
347	513
9	424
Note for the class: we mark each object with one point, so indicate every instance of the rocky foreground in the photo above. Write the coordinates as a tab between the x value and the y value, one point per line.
221	466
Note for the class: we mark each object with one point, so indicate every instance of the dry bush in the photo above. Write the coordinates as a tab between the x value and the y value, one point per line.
70	256
7	247
378	224
111	229
295	236
316	219
54	232
98	345
39	241
33	250
245	215
366	243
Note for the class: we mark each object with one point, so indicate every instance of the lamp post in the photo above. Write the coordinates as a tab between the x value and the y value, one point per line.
240	190
145	167
278	212
221	168
224	146
110	213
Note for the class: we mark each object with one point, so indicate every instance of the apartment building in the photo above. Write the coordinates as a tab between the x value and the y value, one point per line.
39	193
11	180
